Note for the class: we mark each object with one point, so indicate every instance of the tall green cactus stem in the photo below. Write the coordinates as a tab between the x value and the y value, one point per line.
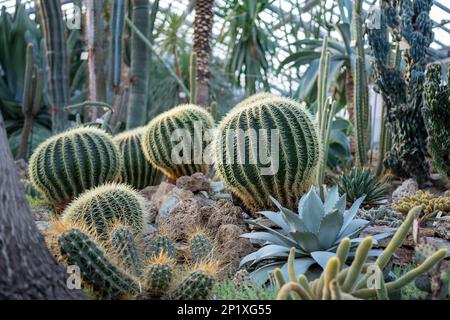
361	88
72	162
117	29
31	101
124	244
403	92
96	267
100	208
193	78
200	246
338	282
196	286
161	245
253	172
188	125
437	118
137	106
213	109
137	171
53	28
158	275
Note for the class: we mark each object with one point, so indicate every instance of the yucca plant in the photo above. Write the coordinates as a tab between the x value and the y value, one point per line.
315	232
362	182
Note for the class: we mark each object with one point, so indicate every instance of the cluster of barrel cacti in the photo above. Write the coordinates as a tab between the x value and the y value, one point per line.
361	280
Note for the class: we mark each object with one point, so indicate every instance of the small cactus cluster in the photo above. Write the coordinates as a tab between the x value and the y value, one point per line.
338	282
70	163
161	244
103	206
125	245
174	142
430	203
137	171
383	216
237	156
200	246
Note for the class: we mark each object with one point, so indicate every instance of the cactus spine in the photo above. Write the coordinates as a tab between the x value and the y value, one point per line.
82	251
298	151
57	60
193	78
338	283
101	207
31	101
189	123
200	246
437	118
158	275
137	171
162	245
197	285
77	160
361	94
125	246
137	107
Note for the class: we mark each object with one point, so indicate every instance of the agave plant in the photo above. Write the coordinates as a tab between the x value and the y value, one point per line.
361	181
315	232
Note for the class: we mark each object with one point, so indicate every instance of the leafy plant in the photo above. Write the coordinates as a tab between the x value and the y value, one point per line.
362	182
315	232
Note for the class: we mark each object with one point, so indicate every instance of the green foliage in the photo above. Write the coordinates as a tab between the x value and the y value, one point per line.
298	153
383	216
362	182
137	171
437	118
229	291
96	267
161	244
117	30
339	282
200	246
126	248
315	231
158	144
100	208
70	163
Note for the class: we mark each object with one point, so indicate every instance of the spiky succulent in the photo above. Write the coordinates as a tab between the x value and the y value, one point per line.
161	244
197	285
267	147
137	171
158	274
70	163
430	203
175	140
100	208
362	182
315	232
200	246
126	248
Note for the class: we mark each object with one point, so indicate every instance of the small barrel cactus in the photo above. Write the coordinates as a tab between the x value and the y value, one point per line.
101	207
197	285
188	123
158	275
161	244
70	163
255	98
124	244
30	190
96	267
137	171
200	246
252	171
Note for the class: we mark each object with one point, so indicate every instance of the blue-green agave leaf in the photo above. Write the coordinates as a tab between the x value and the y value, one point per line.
292	219
307	241
301	266
329	229
351	213
311	210
291	243
264	236
331	199
276	218
322	257
262	275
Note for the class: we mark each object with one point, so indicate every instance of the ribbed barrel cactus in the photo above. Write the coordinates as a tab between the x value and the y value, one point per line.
72	162
175	141
126	247
197	285
267	148
100	208
137	171
255	98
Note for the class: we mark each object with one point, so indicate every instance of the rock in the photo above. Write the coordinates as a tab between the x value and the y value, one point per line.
162	191
408	188
439	181
43	225
171	200
182	250
409	241
150	230
22	169
219	191
231	248
195	183
149	192
443	227
446	193
221	213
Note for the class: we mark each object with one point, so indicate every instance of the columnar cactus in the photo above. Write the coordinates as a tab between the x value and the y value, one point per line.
158	275
103	206
197	285
162	146
69	163
96	267
253	172
126	248
161	244
137	171
200	246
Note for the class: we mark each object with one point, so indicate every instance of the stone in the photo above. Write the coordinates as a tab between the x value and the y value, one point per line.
149	192
43	225
439	181
443	227
195	183
219	191
230	247
265	222
446	193
152	212
439	243
150	230
409	241
171	200
221	213
162	191
407	188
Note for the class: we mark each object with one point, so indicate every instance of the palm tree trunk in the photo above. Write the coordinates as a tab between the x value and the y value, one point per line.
27	268
204	16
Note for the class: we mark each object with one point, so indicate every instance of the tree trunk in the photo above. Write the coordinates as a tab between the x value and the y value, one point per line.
27	268
204	15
